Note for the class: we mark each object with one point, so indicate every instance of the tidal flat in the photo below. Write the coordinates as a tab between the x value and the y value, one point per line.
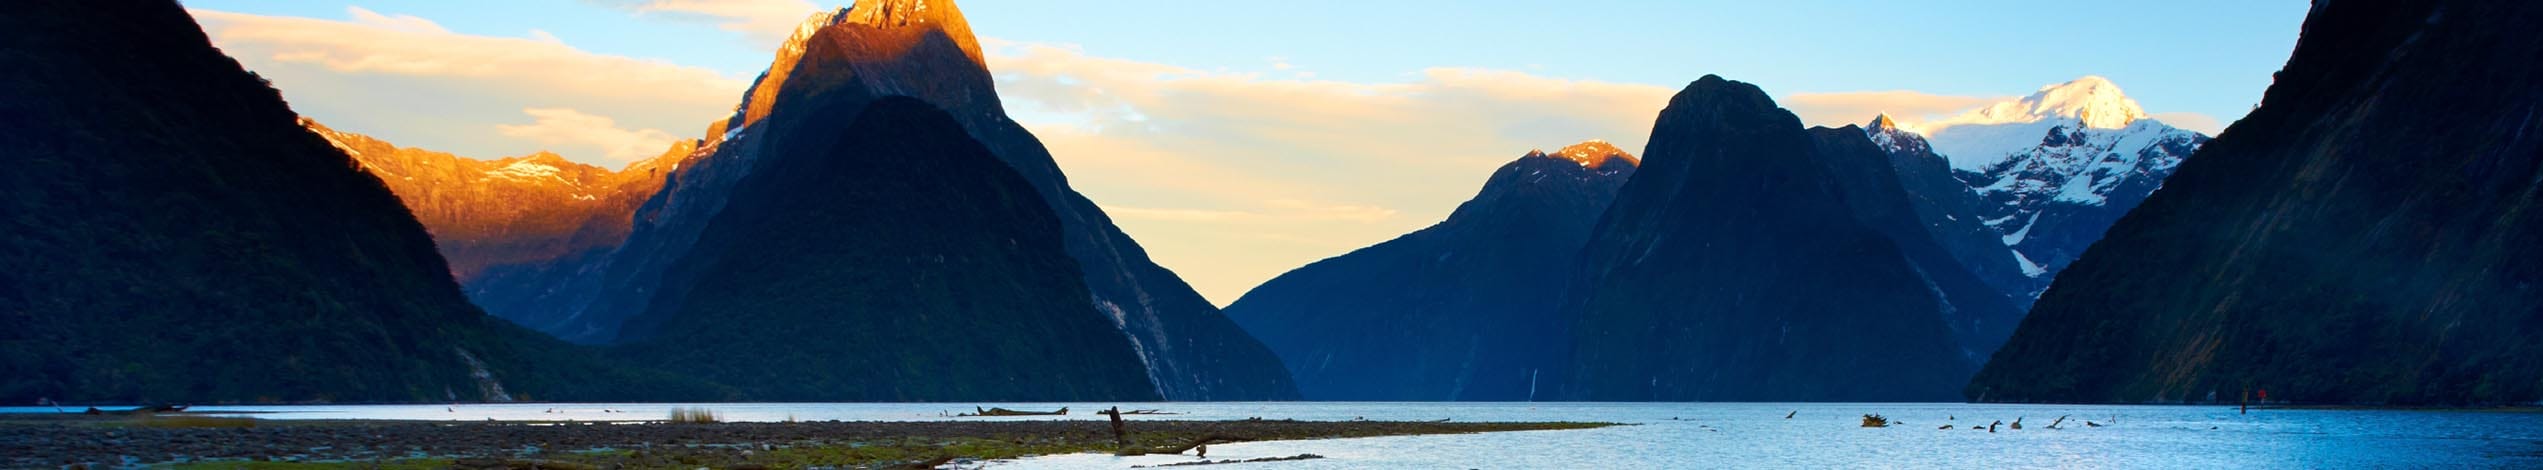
195	441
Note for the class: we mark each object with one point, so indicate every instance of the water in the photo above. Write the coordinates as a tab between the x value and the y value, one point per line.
1709	435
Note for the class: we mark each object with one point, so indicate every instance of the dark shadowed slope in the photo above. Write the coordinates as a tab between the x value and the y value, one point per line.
170	234
1980	316
2372	234
891	259
1732	268
1456	311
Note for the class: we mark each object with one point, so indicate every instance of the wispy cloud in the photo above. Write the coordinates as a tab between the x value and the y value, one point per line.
410	80
1839	109
2202	123
1234	177
1278	211
566	127
767	21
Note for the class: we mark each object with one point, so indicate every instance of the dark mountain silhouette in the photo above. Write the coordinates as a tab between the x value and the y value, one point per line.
172	234
2371	234
1736	266
1456	311
892	259
1980	315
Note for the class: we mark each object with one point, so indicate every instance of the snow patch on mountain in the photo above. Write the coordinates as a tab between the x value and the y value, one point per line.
2029	268
529	170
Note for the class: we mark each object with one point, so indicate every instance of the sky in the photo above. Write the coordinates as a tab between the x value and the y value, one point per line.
1239	140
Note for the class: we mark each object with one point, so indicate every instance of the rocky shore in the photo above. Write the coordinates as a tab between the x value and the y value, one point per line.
206	442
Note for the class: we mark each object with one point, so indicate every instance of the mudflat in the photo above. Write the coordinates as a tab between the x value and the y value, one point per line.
189	441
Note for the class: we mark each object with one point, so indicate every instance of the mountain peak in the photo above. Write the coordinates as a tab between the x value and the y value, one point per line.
1881	123
872	36
2091	100
897	13
1592	153
919	15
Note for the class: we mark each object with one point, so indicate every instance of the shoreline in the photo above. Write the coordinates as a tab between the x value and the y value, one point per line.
193	441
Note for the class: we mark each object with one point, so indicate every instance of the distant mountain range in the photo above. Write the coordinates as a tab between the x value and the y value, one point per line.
514	227
2372	234
1766	239
1462	310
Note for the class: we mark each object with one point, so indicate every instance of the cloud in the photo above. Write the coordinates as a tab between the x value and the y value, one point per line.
1232	177
1907	107
1277	211
767	20
2201	123
566	127
407	23
408	79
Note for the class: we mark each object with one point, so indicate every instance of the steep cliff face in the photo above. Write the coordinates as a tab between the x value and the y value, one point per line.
1456	311
1953	213
2369	235
176	236
923	49
1734	266
513	228
1979	315
889	259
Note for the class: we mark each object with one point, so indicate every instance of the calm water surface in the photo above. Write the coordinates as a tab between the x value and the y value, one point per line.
1713	435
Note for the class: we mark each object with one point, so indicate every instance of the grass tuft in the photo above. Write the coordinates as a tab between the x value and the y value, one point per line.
184	421
694	415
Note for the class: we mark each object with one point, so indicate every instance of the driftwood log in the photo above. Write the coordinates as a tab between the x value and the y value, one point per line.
1120	440
977	411
1176	448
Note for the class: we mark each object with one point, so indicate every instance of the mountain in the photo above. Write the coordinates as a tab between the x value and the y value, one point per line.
511	227
892	259
1737	265
2371	234
175	235
1455	311
2056	168
924	50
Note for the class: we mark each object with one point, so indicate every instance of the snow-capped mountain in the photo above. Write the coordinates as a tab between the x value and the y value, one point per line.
2056	168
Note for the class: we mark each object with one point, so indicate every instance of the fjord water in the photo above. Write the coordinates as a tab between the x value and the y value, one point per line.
1705	435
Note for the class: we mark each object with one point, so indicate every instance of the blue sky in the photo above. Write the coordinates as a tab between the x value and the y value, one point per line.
2183	56
1240	139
